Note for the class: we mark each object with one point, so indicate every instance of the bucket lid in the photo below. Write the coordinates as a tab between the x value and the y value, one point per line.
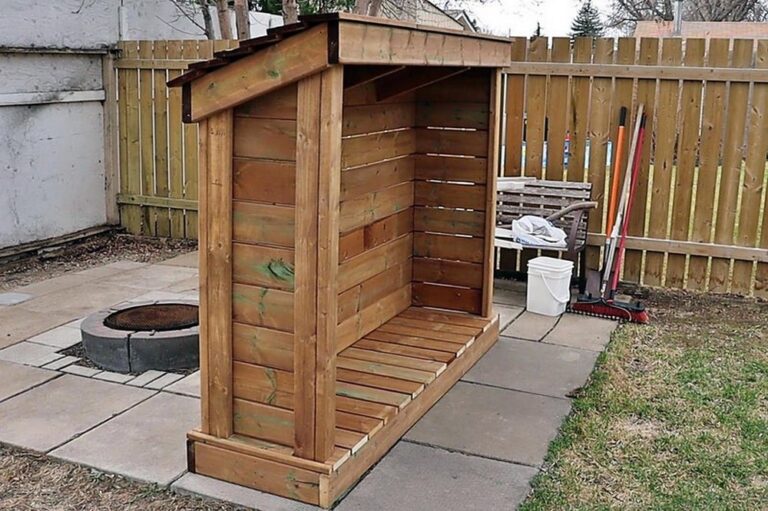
550	264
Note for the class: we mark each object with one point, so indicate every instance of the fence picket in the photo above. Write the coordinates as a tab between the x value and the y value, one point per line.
175	144
557	112
712	128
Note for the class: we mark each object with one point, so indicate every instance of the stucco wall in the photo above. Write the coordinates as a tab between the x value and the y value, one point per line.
51	170
52	178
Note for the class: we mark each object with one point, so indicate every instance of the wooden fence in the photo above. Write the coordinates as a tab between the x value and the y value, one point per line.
157	152
698	220
700	210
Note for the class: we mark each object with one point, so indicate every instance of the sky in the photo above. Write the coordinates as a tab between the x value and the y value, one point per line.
519	17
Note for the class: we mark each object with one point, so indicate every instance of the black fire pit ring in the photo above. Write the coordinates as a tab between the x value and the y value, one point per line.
136	337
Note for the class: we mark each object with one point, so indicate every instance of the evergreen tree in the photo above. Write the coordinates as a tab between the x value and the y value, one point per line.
587	22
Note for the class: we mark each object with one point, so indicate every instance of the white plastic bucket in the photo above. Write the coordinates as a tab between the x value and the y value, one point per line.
549	283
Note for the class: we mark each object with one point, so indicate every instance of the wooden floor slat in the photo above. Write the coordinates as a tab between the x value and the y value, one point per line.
436	326
429	366
446	317
429	334
378	381
367	366
408	351
415	340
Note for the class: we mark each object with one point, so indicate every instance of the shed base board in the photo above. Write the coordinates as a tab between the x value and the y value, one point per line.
276	470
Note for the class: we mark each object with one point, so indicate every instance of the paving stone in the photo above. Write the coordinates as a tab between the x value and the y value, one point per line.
18	324
197	485
188	260
492	422
507	297
185	286
49	415
81	370
82	300
146	442
60	337
30	353
164	381
507	314
415	477
16	378
54	284
111	268
60	363
75	324
531	326
582	332
189	385
13	298
533	367
154	296
113	377
146	377
152	277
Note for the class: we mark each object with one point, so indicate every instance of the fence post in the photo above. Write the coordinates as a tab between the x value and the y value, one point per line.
111	178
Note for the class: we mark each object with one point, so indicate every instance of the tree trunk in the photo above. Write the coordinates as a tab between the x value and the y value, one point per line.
207	20
290	11
241	19
362	6
225	26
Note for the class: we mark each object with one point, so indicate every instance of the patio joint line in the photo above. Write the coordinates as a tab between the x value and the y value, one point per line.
566	398
468	453
577	348
57	373
78	435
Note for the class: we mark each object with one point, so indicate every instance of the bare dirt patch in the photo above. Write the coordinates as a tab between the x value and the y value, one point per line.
95	251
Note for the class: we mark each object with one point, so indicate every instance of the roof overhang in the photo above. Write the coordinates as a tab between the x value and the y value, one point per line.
288	54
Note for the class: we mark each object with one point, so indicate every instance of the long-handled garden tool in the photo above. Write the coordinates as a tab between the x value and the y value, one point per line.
605	304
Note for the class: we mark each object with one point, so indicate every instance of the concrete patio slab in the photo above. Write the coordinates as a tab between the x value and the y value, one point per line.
533	367
30	353
583	332
51	414
184	286
55	284
13	298
144	443
17	324
507	314
81	300
509	297
163	381
189	385
495	423
194	484
188	260
146	377
417	477
530	326
61	337
81	370
111	268
60	363
154	296
151	278
113	377
16	378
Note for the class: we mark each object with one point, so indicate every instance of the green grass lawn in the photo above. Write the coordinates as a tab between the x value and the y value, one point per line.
675	416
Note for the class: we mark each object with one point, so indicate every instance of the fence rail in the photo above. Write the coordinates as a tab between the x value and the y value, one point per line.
699	219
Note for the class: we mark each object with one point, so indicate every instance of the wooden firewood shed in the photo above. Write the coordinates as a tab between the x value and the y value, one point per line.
347	213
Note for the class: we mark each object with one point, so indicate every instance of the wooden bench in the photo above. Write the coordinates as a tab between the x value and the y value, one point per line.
566	204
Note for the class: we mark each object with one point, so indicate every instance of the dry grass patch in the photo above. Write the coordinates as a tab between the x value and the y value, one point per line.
33	482
675	416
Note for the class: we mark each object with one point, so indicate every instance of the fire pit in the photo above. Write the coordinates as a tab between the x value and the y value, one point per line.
138	337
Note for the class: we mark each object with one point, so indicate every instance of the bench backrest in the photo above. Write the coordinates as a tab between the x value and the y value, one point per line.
543	198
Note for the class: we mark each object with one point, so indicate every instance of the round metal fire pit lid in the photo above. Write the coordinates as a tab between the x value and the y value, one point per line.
159	317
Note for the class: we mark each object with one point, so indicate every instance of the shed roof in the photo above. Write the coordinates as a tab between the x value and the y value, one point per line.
291	52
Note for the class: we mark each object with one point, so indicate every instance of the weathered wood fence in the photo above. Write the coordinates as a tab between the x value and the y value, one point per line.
157	153
698	222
